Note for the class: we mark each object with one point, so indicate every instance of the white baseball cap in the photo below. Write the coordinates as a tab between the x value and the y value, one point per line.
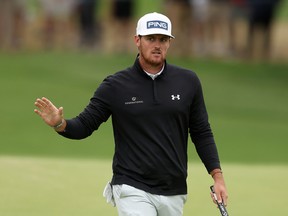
154	23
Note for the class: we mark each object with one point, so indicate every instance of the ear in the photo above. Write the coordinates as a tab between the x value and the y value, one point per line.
169	43
137	40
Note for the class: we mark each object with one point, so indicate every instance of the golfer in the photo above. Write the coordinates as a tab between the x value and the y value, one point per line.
154	107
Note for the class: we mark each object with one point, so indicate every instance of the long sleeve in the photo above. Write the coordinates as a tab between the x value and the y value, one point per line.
95	113
201	133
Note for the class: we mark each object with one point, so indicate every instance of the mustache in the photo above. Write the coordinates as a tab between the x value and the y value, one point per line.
157	51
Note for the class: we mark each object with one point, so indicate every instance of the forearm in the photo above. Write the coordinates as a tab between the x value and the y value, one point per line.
208	154
73	129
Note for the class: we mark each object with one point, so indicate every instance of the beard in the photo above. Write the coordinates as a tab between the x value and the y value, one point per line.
149	59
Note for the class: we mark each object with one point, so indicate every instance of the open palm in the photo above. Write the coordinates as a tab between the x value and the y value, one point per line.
48	112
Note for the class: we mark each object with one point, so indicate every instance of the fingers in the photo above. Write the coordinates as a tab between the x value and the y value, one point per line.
41	103
48	112
219	198
225	199
61	111
213	198
37	112
222	199
44	104
220	195
46	101
45	107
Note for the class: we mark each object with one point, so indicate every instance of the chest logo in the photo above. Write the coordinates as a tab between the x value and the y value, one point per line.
175	97
134	100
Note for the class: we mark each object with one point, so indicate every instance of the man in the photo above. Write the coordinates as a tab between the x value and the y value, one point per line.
261	14
154	105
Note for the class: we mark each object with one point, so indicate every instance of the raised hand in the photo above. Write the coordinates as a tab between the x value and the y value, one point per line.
50	114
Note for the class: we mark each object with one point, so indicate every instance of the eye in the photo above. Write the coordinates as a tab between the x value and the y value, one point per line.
164	39
151	39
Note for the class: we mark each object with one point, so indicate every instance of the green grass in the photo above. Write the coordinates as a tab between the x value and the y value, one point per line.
45	174
45	187
247	104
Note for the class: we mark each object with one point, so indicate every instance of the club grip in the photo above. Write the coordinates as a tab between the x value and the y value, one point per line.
221	206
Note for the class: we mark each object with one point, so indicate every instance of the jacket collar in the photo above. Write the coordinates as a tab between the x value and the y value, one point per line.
137	67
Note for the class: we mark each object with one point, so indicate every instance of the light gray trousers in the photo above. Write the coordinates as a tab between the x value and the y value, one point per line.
131	201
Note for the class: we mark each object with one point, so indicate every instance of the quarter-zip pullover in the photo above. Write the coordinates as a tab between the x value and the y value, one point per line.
151	122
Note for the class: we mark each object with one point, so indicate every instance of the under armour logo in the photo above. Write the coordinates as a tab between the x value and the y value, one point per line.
175	97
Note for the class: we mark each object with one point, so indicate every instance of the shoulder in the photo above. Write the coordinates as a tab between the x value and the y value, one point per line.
181	73
176	68
111	83
119	75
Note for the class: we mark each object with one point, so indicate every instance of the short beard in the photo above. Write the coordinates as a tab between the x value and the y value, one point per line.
150	62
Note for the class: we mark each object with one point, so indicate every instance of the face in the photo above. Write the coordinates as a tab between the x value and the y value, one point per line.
152	50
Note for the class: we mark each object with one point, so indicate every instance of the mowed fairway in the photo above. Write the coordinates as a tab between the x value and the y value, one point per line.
43	174
72	187
247	104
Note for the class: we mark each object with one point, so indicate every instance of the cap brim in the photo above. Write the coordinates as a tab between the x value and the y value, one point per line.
171	36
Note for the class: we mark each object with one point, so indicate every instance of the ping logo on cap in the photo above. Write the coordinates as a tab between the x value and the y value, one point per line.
157	24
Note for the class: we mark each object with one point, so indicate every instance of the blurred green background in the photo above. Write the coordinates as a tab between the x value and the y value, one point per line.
247	103
42	173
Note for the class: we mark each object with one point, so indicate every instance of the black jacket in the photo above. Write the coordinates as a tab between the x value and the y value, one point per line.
151	122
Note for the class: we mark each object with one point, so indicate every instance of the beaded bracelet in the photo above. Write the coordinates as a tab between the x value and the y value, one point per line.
216	173
58	125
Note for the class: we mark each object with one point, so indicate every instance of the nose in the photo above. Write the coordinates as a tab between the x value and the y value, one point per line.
157	43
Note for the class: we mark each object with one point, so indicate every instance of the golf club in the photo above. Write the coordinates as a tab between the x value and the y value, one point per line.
221	206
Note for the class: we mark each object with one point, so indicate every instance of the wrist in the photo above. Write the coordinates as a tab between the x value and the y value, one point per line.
59	125
216	173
